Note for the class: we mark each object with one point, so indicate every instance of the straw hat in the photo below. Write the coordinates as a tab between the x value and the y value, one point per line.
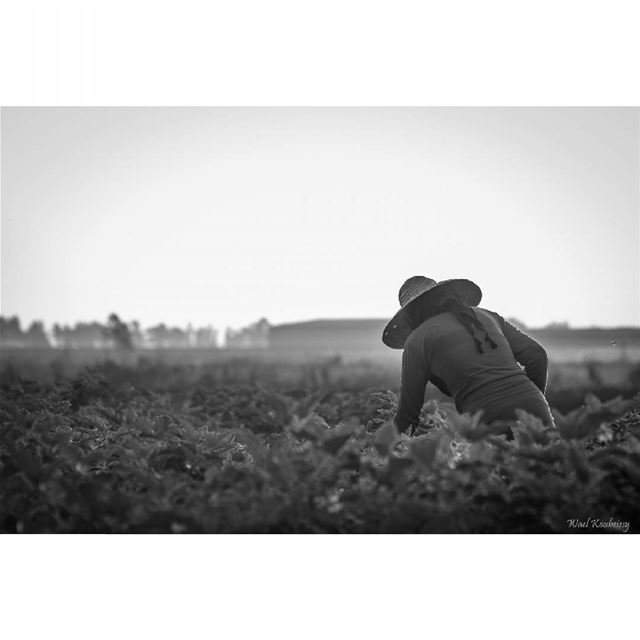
398	329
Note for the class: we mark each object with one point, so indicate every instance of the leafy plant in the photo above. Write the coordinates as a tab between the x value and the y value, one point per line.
97	455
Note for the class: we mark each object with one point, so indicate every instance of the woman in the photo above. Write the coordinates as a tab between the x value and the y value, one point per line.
469	353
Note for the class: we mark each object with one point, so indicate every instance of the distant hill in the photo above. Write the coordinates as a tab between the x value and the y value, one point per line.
331	334
356	337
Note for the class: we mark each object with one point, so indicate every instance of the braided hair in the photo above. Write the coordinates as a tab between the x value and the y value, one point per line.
426	306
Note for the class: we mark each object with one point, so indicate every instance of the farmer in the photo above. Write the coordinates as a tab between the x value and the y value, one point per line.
469	353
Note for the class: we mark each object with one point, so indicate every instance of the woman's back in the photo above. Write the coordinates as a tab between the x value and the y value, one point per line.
443	351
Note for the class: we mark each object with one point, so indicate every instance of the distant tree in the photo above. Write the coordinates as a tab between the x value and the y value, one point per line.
137	337
12	335
178	337
88	335
206	337
255	335
191	335
36	336
158	336
58	335
118	332
11	332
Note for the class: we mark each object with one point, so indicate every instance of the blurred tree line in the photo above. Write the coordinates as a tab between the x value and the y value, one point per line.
11	334
117	334
255	335
114	334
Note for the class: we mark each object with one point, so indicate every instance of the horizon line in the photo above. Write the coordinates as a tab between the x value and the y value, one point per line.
559	325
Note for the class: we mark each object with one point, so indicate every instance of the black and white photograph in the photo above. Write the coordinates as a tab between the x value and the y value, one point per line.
320	320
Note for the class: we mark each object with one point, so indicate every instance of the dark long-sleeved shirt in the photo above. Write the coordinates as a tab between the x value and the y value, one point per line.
442	351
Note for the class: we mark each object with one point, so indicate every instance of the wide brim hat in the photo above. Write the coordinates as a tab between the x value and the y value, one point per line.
398	329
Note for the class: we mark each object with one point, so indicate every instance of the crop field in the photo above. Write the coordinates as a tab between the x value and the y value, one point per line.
173	449
164	368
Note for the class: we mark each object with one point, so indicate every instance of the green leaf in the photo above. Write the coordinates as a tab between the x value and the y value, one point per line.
313	426
424	449
593	402
396	466
579	463
613	407
280	406
333	443
386	436
210	475
388	397
470	426
530	421
529	429
307	405
259	451
577	424
522	436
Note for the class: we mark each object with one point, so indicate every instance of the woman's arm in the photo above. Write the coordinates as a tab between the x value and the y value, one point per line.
529	353
441	385
415	375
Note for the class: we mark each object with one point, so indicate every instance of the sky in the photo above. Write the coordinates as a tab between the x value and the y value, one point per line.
225	215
